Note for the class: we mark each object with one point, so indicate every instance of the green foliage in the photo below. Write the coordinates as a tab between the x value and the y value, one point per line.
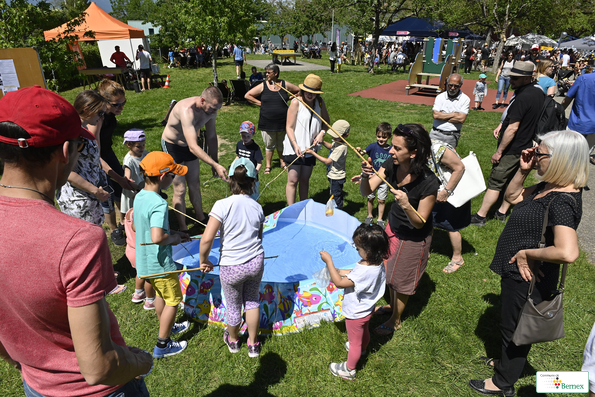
22	25
73	8
298	18
91	54
125	10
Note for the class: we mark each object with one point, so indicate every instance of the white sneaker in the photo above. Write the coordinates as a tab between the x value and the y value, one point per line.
341	370
178	328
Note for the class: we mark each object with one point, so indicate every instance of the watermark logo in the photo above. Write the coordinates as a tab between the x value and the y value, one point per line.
562	382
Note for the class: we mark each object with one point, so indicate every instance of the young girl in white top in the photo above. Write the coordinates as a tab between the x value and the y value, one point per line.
134	139
239	219
364	286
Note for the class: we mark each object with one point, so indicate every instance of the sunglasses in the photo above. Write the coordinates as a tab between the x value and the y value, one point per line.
405	130
80	144
515	78
541	155
118	105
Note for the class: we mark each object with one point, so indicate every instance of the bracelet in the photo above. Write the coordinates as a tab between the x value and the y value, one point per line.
448	191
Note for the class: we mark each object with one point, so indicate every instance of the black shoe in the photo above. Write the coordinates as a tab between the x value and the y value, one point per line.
479	386
477	220
118	238
503	105
495	106
500	216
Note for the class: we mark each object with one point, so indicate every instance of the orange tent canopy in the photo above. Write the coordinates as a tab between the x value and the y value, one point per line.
102	24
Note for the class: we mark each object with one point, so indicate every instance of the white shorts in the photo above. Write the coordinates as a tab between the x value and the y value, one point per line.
381	192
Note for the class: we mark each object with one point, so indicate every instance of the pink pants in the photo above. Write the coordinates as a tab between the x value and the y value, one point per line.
359	337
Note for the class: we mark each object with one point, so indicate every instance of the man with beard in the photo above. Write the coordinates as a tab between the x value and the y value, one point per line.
514	136
450	112
180	140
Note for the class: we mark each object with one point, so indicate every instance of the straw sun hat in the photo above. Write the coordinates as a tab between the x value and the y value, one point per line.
312	83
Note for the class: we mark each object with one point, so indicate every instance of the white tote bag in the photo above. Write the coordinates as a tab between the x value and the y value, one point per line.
471	184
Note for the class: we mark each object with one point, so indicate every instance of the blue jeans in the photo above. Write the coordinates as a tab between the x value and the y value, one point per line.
503	83
134	388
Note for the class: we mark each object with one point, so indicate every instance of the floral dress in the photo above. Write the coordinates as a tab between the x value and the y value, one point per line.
76	202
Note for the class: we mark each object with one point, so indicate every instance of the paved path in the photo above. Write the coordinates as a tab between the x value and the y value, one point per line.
585	232
301	65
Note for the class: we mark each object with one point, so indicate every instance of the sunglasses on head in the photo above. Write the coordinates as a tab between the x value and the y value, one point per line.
118	105
405	130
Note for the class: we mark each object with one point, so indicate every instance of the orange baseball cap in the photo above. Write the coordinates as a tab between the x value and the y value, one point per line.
159	163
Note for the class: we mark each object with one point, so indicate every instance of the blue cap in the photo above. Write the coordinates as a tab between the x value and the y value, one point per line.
251	170
483	76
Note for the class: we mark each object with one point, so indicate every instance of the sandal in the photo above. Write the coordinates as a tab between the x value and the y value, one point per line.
118	290
267	170
385	330
381	311
453	266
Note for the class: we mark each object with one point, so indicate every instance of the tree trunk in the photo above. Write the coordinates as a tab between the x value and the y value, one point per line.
499	52
489	32
215	77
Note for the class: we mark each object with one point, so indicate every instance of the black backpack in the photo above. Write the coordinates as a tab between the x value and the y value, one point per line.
551	118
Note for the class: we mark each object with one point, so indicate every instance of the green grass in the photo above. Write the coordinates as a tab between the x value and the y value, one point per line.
451	321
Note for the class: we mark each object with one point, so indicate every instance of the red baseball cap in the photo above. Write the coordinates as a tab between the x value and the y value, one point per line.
49	119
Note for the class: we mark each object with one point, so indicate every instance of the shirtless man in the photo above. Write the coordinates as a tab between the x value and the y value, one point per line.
180	140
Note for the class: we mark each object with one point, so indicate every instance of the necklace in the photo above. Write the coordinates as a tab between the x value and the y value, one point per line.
50	200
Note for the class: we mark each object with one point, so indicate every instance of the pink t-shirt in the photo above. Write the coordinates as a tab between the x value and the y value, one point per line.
50	261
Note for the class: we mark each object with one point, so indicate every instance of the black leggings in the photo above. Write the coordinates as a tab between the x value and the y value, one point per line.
468	64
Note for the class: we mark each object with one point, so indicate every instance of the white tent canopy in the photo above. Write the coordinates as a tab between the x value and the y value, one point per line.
586	43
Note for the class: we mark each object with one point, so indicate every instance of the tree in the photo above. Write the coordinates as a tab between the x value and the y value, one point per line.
208	21
22	25
126	10
73	8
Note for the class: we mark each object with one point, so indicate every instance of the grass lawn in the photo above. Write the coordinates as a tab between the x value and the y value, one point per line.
450	322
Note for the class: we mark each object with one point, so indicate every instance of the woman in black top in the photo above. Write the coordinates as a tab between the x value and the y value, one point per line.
469	52
273	112
561	161
409	236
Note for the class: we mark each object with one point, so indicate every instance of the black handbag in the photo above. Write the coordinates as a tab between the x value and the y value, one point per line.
543	322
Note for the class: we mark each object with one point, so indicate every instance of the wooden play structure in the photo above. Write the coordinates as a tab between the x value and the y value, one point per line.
431	62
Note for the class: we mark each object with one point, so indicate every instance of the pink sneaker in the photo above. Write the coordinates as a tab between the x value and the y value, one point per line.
149	305
138	298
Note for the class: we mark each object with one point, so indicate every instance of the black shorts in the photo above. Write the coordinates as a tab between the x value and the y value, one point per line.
145	73
307	161
240	62
179	153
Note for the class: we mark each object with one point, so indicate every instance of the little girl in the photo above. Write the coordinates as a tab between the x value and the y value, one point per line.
134	139
239	218
364	286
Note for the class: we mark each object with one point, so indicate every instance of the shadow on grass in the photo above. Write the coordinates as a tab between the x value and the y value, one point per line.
271	371
441	244
492	339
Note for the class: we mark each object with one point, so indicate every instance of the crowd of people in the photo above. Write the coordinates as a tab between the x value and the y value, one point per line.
76	337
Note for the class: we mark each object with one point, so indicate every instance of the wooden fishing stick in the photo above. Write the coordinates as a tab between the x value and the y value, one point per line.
191	238
187	216
352	148
187	270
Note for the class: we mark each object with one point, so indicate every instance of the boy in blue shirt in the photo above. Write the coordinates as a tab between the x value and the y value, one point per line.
151	223
378	153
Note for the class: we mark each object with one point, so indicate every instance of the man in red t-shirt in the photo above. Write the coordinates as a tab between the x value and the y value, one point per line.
57	328
119	58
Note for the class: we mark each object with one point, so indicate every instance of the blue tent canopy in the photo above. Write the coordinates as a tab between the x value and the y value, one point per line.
411	26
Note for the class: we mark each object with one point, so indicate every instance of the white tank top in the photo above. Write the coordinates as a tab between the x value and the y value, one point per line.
307	126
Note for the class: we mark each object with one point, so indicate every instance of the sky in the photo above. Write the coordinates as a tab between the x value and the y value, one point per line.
105	5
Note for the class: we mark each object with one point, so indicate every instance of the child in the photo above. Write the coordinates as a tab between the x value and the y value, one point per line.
134	139
480	90
379	153
239	219
152	226
143	289
336	160
364	286
247	148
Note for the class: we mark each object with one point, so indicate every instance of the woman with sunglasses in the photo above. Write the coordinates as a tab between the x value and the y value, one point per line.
82	195
561	161
114	93
410	236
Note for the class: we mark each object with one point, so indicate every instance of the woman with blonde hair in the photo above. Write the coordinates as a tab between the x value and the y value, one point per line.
561	161
545	71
